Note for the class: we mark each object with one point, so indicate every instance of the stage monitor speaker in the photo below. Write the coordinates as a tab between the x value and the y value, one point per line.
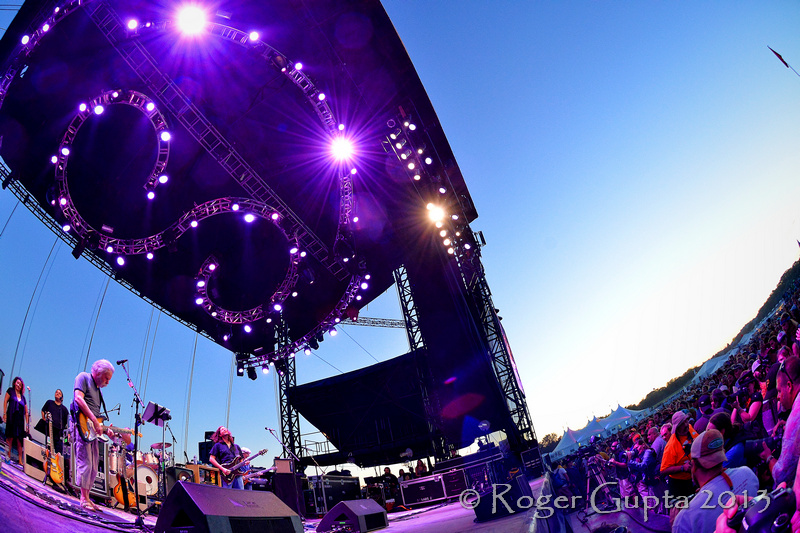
355	515
178	473
198	508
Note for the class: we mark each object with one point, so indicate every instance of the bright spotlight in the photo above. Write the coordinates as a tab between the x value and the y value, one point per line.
165	136
120	261
198	301
26	39
193	223
247	328
249	217
151	195
253	35
436	214
150	255
191	20
54	160
150	106
341	148
163	178
133	24
98	109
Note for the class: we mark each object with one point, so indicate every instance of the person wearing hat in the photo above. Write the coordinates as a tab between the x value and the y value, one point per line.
707	456
784	468
705	409
747	405
675	462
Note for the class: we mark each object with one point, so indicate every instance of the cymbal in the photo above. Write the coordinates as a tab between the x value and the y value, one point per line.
157	445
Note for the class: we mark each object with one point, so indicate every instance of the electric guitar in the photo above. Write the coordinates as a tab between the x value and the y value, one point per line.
247	477
51	458
88	434
235	466
124	492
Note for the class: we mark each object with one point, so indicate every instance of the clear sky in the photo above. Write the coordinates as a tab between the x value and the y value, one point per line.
635	167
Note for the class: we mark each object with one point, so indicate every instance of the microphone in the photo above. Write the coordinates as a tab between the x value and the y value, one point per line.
269	429
122	362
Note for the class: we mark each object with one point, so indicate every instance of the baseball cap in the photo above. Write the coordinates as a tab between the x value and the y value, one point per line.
678	418
704	404
709	449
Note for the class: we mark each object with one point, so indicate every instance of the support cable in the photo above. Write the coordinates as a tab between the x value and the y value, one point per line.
189	394
9	219
94	327
25	320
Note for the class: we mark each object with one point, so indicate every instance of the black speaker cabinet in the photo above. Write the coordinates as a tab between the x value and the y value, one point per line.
518	488
355	515
204	450
455	483
200	508
289	489
178	473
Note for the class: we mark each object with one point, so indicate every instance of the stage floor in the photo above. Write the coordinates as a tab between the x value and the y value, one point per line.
28	506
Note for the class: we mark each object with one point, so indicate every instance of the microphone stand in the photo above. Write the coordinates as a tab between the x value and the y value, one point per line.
139	522
294	481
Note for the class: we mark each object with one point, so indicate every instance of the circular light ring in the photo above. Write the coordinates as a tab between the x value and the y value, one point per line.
283	291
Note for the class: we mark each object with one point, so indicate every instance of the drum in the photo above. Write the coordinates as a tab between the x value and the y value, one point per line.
150	459
116	461
148	478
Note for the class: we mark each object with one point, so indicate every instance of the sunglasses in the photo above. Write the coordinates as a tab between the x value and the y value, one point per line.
783	369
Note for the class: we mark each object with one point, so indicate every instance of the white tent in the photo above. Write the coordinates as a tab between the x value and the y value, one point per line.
619	418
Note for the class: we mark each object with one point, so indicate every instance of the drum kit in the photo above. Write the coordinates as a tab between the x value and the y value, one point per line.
149	467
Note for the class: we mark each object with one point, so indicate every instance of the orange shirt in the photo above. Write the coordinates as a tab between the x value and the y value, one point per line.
674	454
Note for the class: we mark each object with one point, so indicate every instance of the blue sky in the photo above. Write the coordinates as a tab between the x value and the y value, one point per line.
635	169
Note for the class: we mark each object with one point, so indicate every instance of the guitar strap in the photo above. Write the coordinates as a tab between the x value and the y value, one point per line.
102	401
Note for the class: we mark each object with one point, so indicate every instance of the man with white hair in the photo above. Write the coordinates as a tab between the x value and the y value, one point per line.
88	400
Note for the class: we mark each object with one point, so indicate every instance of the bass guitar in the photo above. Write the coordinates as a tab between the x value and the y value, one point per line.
88	433
235	466
52	468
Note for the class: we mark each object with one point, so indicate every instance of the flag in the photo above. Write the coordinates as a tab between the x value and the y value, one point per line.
779	57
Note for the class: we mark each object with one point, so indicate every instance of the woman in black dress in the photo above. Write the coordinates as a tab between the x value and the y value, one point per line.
15	413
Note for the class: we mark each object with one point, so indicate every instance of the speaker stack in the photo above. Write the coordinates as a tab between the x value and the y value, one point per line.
354	515
201	508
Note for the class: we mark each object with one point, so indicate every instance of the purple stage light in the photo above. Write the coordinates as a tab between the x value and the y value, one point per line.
275	216
367	277
201	283
198	301
342	148
355	219
115	94
467	246
249	217
269	321
321	97
46	27
193	223
235	207
163	178
443	233
62	201
446	242
225	337
411	166
333	332
442	190
412	127
247	328
265	368
303	254
358	297
277	307
417	177
133	24
165	136
450	251
341	127
98	109
66	227
294	294
454	217
307	351
353	171
82	108
293	250
191	20
337	319
150	106
365	285
253	35
54	160
109	248
25	39
150	256
120	261
151	195
450	381
428	161
298	66
212	266
213	313
65	151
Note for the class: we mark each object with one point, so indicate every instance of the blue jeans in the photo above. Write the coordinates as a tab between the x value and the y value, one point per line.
237	483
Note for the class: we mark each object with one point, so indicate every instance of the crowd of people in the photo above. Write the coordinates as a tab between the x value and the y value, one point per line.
733	433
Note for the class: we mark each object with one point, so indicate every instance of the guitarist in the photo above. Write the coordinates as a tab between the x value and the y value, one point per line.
88	400
60	417
226	452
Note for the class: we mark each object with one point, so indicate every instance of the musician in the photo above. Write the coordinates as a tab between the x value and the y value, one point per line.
60	417
225	451
16	415
246	468
88	399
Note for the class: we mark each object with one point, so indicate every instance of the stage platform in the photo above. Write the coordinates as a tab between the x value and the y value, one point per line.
28	506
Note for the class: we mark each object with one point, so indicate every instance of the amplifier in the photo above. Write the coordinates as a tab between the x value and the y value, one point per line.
455	483
205	474
421	490
532	460
34	460
331	490
101	487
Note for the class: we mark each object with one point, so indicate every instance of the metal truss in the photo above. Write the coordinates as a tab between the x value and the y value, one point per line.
416	344
204	132
287	378
375	322
29	201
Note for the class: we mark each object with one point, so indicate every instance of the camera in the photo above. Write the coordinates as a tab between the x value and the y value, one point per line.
770	513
